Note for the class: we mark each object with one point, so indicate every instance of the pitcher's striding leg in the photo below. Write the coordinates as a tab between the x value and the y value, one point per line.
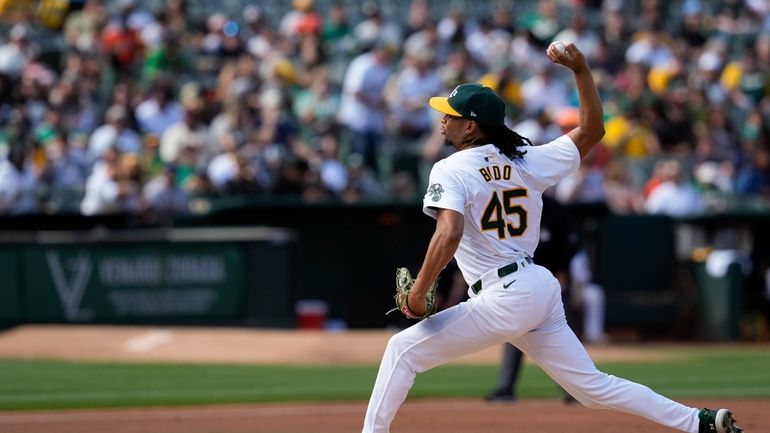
558	351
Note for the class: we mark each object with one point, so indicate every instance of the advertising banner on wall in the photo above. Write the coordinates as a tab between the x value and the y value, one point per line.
91	283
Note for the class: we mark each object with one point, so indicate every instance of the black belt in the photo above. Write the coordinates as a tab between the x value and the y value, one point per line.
505	270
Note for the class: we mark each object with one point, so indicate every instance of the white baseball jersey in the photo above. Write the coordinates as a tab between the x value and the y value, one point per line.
500	198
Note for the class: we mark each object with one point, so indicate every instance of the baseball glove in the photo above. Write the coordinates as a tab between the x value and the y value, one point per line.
404	283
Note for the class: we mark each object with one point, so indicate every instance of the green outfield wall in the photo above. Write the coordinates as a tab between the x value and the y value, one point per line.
250	263
9	285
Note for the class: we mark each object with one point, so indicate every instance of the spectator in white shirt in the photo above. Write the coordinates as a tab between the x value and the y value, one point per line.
108	190
189	131
18	184
363	107
158	112
674	196
374	27
478	44
579	34
14	55
650	50
412	88
543	91
540	128
115	132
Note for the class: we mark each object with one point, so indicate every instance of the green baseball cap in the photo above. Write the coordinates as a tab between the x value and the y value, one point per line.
472	101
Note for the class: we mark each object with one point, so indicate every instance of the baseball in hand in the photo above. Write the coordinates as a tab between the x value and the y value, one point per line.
560	48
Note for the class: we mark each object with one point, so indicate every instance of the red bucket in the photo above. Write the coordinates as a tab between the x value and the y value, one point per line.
311	314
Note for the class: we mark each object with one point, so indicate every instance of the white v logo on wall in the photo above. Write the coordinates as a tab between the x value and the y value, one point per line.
72	289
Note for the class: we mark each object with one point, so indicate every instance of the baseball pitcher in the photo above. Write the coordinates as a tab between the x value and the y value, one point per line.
486	199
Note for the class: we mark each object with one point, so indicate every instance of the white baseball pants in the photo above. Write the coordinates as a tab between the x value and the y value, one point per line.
530	315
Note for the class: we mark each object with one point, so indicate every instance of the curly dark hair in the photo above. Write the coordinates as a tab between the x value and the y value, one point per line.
507	140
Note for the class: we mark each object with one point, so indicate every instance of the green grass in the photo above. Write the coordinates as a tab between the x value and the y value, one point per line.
691	373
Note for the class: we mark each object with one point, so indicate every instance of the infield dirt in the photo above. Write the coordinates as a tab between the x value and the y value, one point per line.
225	345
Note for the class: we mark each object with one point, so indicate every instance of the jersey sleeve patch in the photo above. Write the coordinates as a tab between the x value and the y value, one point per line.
445	191
435	191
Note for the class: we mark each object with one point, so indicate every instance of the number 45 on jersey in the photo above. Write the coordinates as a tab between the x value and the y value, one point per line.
496	214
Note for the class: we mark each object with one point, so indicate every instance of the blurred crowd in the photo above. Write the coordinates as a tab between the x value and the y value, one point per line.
127	106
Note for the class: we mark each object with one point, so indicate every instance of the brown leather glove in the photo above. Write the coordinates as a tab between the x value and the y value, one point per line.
404	283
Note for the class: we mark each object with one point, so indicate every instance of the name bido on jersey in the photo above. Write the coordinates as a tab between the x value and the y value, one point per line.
495	172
